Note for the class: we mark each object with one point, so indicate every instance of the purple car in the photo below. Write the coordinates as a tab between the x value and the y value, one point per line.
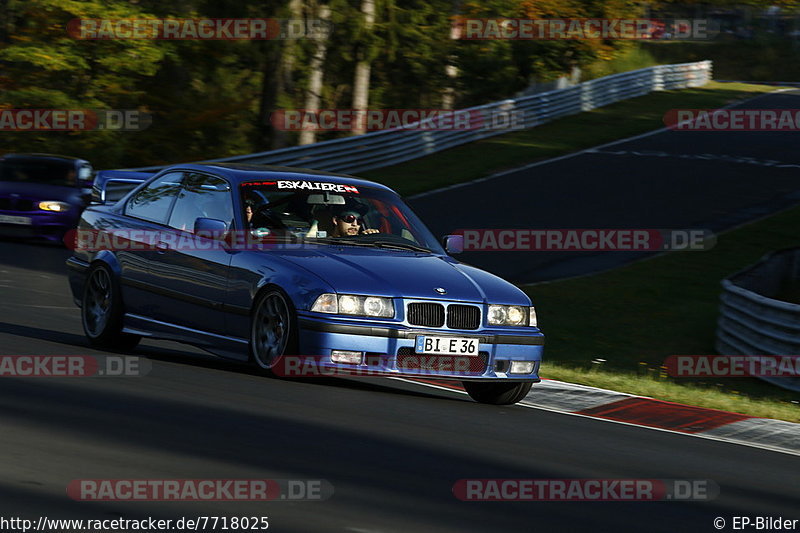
42	195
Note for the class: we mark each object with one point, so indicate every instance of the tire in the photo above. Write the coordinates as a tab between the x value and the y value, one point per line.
497	392
273	330
102	311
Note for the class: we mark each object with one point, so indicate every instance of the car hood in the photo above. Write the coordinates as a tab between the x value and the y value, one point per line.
402	274
40	191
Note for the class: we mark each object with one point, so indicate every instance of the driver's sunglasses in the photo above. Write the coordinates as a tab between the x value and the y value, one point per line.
350	219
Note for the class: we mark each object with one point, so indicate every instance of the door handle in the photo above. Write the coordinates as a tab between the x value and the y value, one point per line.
162	247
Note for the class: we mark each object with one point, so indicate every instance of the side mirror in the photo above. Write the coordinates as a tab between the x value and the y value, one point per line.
211	228
453	244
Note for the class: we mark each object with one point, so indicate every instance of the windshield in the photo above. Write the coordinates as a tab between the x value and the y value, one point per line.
42	171
331	213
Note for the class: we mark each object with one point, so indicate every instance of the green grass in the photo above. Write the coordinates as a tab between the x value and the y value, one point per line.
760	59
648	383
637	315
563	136
749	60
634	58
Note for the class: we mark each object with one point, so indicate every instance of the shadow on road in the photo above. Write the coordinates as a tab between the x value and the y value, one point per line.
43	334
203	360
31	255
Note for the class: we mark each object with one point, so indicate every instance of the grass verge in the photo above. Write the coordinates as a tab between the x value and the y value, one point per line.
635	316
651	385
576	132
751	60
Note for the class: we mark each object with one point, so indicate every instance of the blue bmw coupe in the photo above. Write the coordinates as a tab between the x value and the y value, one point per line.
296	269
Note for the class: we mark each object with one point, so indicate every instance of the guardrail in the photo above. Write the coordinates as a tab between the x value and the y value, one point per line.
753	321
389	147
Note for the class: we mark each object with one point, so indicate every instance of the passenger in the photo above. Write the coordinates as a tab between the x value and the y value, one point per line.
251	203
248	212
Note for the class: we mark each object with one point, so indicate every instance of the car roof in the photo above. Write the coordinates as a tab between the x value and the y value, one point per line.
239	173
41	156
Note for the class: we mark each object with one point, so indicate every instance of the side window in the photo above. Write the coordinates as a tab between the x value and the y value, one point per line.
154	201
202	196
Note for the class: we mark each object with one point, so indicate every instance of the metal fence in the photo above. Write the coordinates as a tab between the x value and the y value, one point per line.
755	316
389	147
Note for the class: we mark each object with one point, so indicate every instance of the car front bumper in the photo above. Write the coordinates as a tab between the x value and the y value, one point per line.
388	350
42	225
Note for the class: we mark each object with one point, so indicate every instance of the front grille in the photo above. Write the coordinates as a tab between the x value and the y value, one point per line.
433	315
446	364
426	314
24	205
13	204
463	317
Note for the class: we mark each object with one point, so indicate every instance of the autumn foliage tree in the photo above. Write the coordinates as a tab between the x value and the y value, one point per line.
211	99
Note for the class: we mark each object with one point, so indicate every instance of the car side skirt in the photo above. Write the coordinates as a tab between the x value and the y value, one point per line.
224	346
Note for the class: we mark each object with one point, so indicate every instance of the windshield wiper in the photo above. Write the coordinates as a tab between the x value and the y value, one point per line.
337	240
374	244
399	246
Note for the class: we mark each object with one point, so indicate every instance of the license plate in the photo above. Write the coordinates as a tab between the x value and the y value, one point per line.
446	345
8	219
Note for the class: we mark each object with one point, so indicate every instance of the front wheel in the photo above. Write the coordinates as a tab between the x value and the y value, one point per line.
273	331
497	392
102	311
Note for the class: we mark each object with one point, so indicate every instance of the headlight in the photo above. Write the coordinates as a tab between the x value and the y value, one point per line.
351	304
374	306
58	207
511	315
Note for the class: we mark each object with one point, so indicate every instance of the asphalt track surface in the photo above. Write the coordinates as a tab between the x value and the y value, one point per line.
391	450
669	180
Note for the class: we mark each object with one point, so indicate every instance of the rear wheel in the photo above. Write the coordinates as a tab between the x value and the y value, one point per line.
102	312
273	331
497	392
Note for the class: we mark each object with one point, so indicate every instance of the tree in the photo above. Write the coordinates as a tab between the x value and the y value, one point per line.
365	55
43	67
316	71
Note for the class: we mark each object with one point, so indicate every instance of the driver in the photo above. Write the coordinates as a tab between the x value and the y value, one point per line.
349	222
